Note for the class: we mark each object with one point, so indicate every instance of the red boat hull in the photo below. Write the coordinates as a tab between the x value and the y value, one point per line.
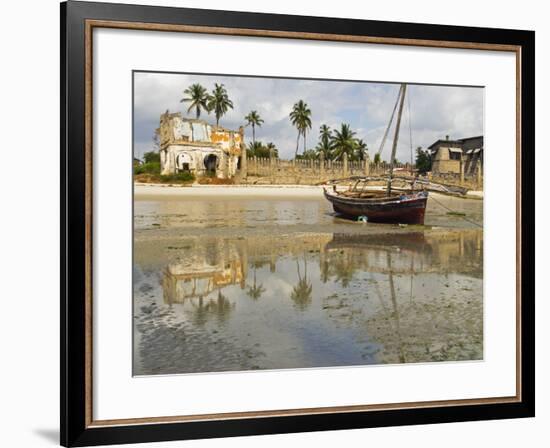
406	209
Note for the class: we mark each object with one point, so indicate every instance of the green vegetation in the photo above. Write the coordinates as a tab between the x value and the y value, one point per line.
151	157
151	164
184	177
423	160
377	159
155	178
300	117
325	136
343	142
333	144
253	119
149	171
147	168
198	97
258	149
360	149
309	154
219	102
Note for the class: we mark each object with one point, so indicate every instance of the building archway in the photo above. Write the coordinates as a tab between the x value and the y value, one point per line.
210	163
183	162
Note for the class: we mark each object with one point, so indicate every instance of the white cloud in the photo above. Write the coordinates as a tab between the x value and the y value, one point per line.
436	111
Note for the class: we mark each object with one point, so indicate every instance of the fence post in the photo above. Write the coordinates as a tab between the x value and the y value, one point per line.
345	164
367	166
461	171
321	166
271	162
244	164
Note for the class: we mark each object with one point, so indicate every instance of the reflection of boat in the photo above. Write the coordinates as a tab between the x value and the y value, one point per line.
434	252
377	206
410	242
382	206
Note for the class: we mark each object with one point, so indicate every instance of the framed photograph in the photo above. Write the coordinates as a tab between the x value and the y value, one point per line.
277	223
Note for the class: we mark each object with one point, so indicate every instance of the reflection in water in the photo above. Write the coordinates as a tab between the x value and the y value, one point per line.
314	299
301	293
256	290
218	308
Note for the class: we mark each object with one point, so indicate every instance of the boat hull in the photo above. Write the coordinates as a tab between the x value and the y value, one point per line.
404	209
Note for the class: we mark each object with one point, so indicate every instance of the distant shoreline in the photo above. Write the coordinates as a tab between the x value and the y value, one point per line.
171	191
152	191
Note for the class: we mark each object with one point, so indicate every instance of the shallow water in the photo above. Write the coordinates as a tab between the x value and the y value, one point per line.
256	213
268	284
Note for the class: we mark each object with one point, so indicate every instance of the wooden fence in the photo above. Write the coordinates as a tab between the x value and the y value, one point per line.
266	170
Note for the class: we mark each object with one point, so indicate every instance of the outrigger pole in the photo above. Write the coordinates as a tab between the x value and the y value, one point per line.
402	92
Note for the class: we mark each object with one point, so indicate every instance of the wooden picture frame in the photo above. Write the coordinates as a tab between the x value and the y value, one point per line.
78	20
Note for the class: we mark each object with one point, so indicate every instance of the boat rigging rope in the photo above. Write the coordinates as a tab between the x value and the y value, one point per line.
453	211
389	124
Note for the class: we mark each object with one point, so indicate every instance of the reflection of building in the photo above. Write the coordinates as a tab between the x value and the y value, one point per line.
449	156
180	283
212	264
197	147
198	276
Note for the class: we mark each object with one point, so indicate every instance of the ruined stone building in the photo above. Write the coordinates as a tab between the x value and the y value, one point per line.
452	156
198	147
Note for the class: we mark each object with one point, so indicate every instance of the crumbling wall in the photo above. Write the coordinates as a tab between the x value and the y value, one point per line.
185	144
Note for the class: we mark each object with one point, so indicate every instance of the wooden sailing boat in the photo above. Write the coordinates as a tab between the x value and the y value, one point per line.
397	207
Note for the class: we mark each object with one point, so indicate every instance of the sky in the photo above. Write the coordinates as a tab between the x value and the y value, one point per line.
435	111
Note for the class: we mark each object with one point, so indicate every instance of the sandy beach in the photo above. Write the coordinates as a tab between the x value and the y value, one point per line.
153	191
170	191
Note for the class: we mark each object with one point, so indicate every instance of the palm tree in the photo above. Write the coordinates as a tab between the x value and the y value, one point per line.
323	147
343	142
219	102
360	149
253	118
300	117
198	97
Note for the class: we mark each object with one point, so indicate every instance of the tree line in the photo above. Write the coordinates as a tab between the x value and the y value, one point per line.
332	144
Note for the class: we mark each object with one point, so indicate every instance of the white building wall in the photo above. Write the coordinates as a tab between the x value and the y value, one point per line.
195	156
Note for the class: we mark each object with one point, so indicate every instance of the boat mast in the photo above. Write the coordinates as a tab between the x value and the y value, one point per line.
403	91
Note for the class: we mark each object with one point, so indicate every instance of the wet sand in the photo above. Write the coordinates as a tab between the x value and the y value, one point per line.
169	191
239	278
